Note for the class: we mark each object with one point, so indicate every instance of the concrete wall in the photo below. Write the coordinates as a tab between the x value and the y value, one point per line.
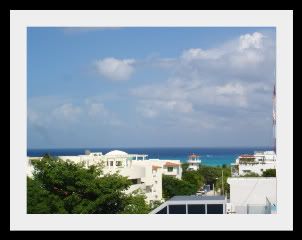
256	168
177	171
253	191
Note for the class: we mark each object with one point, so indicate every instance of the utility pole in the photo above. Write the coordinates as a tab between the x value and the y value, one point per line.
213	189
222	184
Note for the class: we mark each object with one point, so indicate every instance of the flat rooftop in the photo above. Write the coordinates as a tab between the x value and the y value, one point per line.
196	198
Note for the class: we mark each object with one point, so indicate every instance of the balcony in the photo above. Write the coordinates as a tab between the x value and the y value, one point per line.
247	161
197	161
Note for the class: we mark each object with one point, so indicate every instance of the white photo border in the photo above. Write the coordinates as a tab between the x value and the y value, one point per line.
20	20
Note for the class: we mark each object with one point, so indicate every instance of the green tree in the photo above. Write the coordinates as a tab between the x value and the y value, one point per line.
269	173
42	201
193	177
154	204
173	186
251	174
184	166
65	187
210	174
136	204
213	175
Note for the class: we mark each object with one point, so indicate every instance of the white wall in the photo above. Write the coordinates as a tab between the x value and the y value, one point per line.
177	171
252	190
256	168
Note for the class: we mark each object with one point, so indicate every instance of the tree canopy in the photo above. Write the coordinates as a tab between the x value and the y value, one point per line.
193	177
193	180
173	187
61	186
269	173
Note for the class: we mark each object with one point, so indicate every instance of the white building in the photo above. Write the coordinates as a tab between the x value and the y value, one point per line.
252	195
193	205
145	174
193	162
256	163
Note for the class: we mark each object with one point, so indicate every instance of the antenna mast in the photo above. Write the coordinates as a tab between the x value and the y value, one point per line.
274	117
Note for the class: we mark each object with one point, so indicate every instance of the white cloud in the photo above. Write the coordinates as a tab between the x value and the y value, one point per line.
198	53
67	112
97	109
58	113
254	40
32	116
115	69
231	89
152	108
147	110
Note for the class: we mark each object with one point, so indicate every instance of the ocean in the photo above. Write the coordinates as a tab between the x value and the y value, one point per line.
208	156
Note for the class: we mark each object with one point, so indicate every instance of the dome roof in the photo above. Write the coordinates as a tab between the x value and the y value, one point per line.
116	153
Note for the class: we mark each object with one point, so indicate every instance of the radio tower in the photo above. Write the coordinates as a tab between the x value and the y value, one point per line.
274	118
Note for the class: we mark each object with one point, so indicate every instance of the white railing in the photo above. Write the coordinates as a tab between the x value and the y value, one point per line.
194	161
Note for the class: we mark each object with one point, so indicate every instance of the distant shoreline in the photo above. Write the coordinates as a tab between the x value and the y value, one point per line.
209	156
247	147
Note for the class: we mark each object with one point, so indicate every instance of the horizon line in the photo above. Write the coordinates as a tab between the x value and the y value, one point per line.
150	147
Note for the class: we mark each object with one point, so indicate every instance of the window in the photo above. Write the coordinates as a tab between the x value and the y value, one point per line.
214	208
177	209
170	169
111	163
246	171
196	209
162	211
135	181
118	163
148	189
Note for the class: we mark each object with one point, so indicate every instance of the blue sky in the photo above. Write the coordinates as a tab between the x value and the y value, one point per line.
147	87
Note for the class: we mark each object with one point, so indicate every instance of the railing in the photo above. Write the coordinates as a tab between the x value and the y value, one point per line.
247	160
253	209
194	161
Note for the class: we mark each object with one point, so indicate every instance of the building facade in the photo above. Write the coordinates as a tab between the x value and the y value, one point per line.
193	162
145	174
253	195
256	163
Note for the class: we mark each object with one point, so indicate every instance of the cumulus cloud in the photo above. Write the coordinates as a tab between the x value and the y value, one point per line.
97	109
231	88
225	89
254	40
67	111
198	53
115	69
153	107
210	84
60	114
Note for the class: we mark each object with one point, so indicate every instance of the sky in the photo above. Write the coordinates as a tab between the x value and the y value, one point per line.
150	87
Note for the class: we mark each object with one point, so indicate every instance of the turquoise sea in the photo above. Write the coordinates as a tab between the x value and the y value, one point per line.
208	156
